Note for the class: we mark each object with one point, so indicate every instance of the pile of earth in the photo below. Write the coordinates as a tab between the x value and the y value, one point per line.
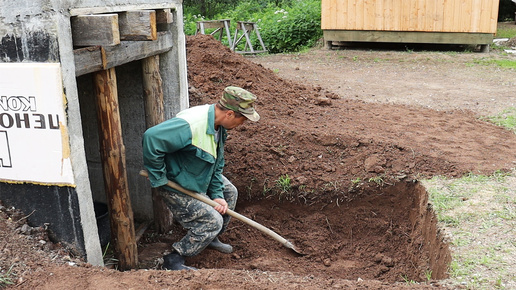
330	146
352	204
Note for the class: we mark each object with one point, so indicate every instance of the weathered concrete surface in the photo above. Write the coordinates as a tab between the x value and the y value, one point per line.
40	31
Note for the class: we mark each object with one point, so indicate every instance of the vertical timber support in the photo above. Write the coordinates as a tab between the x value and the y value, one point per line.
155	114
112	152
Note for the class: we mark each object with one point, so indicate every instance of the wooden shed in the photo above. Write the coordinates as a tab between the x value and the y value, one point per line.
471	22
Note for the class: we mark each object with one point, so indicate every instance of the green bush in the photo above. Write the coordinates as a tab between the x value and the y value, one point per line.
190	22
291	28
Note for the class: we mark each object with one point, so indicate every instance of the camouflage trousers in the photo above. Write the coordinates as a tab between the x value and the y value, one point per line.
202	221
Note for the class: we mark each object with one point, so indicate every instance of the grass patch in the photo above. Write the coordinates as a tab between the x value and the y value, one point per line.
6	278
284	183
504	63
282	188
506	119
506	31
479	214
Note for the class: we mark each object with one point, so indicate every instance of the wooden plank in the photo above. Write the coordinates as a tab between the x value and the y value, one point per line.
404	12
475	15
326	10
368	11
101	9
397	14
359	14
378	16
210	24
91	60
91	30
411	15
408	37
336	15
134	50
155	114
138	25
493	19
466	16
439	22
388	15
421	15
112	152
352	12
484	14
457	5
431	15
448	10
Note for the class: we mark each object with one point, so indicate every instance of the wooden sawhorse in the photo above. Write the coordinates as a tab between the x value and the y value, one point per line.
247	28
219	26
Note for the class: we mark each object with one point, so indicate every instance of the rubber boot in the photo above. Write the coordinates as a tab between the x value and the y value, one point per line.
174	261
216	244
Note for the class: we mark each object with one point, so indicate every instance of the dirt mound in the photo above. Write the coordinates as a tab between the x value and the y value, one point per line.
337	177
332	147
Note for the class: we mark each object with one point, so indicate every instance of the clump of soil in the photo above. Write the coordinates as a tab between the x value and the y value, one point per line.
353	204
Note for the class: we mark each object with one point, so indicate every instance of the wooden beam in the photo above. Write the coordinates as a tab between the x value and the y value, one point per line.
164	16
155	114
138	25
112	152
173	5
89	59
408	37
90	30
92	59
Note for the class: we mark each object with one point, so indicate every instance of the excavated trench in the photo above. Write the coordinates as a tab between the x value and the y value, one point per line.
388	234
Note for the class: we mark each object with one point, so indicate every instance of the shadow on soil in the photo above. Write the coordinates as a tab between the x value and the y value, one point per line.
387	234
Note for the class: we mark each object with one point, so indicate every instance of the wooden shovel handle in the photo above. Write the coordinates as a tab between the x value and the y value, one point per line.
230	212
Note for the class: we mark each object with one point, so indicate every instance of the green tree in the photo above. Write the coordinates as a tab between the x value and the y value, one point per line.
209	8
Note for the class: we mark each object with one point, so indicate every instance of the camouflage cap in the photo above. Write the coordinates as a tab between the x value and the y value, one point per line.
241	101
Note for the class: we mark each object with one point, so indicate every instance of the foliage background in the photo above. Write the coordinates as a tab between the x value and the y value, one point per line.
284	26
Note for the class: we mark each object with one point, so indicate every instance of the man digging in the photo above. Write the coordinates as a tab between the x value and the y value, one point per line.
189	150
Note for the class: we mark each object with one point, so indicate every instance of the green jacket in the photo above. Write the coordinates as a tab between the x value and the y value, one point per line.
183	150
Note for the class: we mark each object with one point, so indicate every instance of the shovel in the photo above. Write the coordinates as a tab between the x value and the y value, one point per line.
232	213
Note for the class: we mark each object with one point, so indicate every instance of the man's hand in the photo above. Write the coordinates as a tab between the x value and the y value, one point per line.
222	207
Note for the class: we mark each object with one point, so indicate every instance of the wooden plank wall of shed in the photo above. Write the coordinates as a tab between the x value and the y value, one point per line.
479	16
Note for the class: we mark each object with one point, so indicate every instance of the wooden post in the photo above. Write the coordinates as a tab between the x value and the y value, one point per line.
154	114
112	152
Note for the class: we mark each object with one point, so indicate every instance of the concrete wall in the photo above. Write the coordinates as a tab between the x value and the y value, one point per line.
40	31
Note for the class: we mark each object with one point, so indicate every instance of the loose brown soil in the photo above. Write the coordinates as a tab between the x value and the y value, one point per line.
354	130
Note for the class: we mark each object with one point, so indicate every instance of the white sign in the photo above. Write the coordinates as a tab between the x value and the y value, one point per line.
34	143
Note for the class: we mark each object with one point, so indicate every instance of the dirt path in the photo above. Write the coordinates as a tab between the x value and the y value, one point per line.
430	79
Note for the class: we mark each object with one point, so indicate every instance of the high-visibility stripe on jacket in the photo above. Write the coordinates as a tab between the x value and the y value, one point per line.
183	149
